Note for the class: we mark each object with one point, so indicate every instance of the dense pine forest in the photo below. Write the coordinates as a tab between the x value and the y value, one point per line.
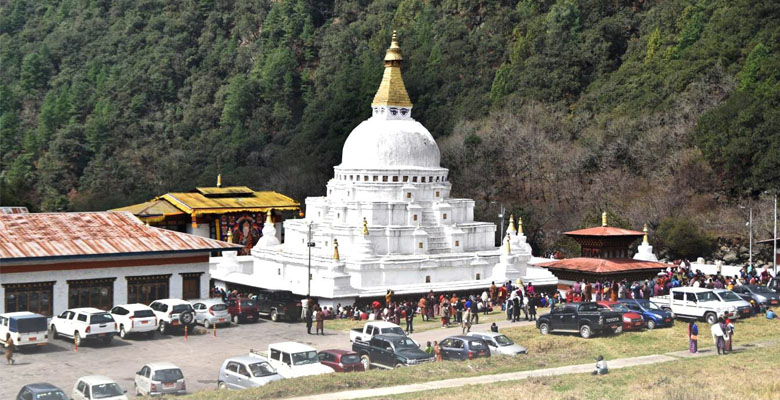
664	112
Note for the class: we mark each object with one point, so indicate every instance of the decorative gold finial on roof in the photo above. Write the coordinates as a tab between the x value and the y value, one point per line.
365	227
519	225
604	218
508	248
644	240
230	235
511	227
268	219
336	249
392	91
219	180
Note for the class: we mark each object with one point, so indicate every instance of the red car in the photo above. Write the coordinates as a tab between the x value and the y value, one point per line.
632	321
242	309
341	360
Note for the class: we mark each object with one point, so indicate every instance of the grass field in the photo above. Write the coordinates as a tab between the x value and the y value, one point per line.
544	351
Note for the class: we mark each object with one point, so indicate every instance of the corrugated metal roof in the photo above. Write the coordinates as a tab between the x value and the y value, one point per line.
48	235
196	203
13	210
604	231
224	190
602	266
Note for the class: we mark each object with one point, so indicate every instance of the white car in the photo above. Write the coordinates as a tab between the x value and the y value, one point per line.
697	303
244	372
97	387
209	312
293	360
84	323
25	328
159	378
134	318
173	313
732	299
499	344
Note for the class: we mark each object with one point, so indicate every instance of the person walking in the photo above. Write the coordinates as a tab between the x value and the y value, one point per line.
437	350
466	324
532	300
445	316
693	336
474	311
409	318
516	309
308	319
320	318
729	334
423	308
718	336
9	350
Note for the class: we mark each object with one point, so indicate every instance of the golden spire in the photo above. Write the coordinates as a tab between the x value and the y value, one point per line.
336	249
644	240
230	235
219	180
365	227
519	225
511	227
268	219
604	218
392	91
508	248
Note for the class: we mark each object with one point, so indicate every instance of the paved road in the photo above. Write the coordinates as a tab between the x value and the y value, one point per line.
199	357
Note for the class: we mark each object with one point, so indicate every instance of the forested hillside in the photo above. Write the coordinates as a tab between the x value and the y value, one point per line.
556	108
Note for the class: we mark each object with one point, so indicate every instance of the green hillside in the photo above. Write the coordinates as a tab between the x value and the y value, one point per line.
557	109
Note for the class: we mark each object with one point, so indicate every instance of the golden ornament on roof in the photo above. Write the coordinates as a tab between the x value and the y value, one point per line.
644	240
604	218
365	227
392	91
336	249
519	225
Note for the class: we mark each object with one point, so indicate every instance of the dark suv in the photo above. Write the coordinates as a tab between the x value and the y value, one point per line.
390	351
585	318
242	309
463	348
279	305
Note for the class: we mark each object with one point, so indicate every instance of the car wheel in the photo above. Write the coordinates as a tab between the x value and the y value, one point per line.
206	324
235	319
398	365
274	316
585	331
122	332
77	338
221	385
711	318
366	361
162	328
544	328
54	334
650	324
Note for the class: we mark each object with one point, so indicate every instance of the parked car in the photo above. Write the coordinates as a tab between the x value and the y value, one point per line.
632	321
585	318
654	316
744	310
760	294
390	351
209	312
697	303
245	372
134	318
27	330
341	360
45	391
84	323
293	360
371	329
173	313
499	343
97	387
463	348
242	309
159	378
279	305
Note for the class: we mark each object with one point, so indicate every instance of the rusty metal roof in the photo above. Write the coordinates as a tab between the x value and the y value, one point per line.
604	231
13	210
602	266
81	234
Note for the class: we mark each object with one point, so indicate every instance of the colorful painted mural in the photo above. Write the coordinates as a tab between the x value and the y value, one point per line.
244	229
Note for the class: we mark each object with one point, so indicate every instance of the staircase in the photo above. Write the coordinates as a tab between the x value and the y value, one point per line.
437	240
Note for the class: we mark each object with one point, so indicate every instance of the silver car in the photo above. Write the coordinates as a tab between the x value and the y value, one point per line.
209	312
245	372
160	378
500	344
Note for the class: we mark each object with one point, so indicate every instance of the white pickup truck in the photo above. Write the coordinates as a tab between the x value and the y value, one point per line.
293	360
371	329
693	302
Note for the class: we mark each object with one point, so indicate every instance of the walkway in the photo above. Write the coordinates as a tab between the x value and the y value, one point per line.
512	376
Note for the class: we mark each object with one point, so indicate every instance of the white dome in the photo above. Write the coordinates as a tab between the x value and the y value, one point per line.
379	143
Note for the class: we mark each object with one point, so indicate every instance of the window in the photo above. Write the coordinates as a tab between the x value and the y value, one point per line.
352	177
384	178
414	179
98	293
276	355
437	193
146	289
286	358
414	217
243	371
33	297
232	367
82	317
365	178
395	179
423	179
406	179
376	178
457	243
478	276
420	245
191	285
427	279
430	179
437	178
444	216
408	195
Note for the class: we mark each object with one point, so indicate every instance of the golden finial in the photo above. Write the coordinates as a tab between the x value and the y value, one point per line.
508	248
365	227
511	227
392	91
519	225
644	240
604	218
230	235
336	249
219	180
268	219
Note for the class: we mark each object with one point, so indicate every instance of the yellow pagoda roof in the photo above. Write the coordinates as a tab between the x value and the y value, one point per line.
392	91
152	211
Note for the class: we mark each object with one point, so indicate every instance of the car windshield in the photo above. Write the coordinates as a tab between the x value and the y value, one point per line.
143	313
395	330
503	340
219	307
706	296
167	375
261	369
106	390
404	343
307	357
53	395
761	289
651	306
180	308
247	303
729	296
350	359
102	318
26	325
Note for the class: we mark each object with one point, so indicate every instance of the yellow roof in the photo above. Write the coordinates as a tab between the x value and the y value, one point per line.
197	203
392	91
224	190
151	208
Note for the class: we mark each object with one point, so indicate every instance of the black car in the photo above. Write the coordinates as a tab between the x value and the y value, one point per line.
279	305
585	318
390	351
463	348
41	391
761	294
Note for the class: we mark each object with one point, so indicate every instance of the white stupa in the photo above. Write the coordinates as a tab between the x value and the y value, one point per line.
388	206
645	251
